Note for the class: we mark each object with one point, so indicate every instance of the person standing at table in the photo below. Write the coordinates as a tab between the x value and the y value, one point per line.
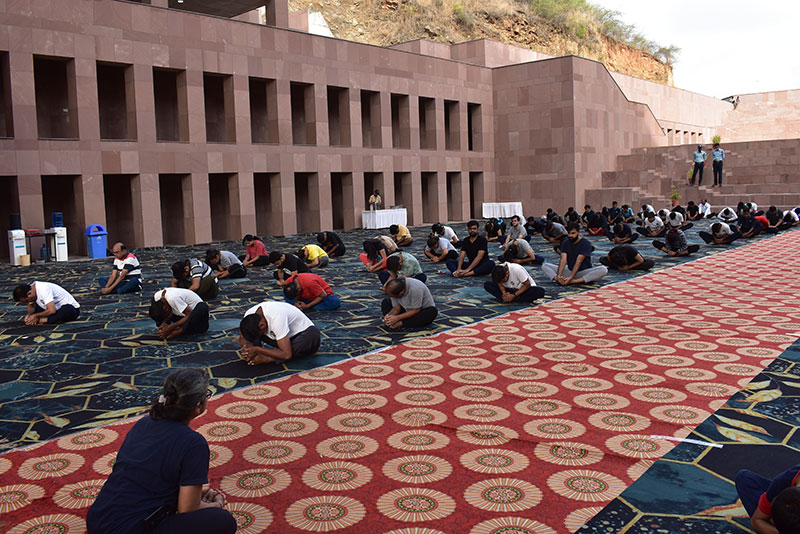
375	200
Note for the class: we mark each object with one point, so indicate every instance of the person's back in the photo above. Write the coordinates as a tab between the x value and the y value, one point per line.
156	458
417	295
158	474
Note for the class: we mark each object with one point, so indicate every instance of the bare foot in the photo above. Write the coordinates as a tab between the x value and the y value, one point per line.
258	359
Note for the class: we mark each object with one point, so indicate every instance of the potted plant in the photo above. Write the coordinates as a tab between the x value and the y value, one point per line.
675	196
716	140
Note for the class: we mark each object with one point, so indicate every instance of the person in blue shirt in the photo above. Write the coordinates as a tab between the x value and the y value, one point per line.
158	477
699	158
718	156
772	504
575	266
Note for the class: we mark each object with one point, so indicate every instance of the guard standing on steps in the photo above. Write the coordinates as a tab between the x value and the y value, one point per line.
717	156
699	157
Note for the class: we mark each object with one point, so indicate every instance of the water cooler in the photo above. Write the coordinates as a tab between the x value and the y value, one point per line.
60	245
17	246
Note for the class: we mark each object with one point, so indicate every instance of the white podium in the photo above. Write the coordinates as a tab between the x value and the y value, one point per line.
502	209
373	219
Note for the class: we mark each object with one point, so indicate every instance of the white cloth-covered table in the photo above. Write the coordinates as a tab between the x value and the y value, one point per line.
372	219
502	209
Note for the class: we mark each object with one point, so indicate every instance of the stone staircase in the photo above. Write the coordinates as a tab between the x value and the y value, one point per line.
765	172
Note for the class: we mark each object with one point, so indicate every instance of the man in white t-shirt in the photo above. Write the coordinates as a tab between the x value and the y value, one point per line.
705	209
652	226
178	311
440	249
511	282
445	232
676	220
728	215
126	277
721	234
47	303
225	264
281	326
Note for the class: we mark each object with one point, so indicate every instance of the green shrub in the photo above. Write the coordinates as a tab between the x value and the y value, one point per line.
716	139
461	14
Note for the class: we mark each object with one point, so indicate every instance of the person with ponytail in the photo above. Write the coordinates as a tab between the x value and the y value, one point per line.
156	485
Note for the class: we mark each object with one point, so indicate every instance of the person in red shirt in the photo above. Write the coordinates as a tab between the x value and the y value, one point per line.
773	505
309	291
257	255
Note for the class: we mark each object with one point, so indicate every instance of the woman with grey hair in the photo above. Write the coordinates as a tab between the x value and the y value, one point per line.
157	481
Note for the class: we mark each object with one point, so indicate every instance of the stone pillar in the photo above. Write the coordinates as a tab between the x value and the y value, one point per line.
241	108
241	192
277	12
146	200
196	209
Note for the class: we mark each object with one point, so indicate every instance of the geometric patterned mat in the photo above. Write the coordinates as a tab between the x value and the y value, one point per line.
529	422
108	365
691	489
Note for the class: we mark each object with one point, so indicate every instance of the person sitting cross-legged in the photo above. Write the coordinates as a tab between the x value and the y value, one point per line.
401	235
402	264
721	234
225	264
439	249
374	255
313	256
309	291
331	244
512	283
621	233
178	311
126	276
652	226
534	226
161	468
256	255
576	258
517	231
627	215
287	264
196	276
790	219
748	225
676	220
408	304
626	258
554	232
48	303
286	329
494	231
473	259
693	211
675	244
596	224
520	251
728	215
772	504
447	233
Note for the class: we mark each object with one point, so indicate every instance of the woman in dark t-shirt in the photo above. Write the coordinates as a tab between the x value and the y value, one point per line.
157	481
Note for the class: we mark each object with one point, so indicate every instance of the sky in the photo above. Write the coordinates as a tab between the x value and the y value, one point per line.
727	48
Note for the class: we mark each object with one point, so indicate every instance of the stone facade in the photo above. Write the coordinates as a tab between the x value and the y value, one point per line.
173	127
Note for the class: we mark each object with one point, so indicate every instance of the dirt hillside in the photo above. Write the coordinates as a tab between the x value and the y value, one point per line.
388	22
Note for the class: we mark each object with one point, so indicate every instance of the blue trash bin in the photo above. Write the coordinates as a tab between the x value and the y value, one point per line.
96	241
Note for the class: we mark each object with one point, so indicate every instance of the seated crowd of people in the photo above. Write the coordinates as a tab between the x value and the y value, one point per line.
182	309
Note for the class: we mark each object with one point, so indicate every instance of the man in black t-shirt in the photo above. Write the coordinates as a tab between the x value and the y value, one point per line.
626	258
331	244
575	266
287	265
621	233
473	259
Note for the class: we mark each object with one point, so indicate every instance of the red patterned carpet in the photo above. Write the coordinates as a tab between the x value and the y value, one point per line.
530	422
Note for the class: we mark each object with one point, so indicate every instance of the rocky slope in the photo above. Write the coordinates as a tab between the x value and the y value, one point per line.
387	22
